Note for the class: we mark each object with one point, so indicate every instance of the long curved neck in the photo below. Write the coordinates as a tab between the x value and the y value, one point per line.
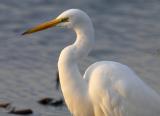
84	41
73	86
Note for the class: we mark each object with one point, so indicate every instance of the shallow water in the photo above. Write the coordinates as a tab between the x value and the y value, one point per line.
126	32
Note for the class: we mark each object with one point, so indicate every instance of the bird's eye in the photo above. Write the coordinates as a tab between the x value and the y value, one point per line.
66	19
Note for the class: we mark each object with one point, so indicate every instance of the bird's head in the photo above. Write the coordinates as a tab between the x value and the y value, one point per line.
72	18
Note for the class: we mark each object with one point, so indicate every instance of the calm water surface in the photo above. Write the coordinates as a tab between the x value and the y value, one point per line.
126	32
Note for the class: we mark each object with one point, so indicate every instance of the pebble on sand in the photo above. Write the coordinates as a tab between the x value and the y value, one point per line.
4	104
21	111
51	102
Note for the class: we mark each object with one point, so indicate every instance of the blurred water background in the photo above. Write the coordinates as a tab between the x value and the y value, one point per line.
127	31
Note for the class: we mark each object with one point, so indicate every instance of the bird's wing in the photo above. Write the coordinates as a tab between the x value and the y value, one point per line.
113	102
107	92
115	90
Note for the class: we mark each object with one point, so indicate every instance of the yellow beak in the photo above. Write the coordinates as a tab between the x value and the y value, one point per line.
45	25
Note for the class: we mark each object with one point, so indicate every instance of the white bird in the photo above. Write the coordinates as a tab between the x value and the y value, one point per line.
107	88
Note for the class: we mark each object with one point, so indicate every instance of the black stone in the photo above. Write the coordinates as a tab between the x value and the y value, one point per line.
21	111
57	103
4	105
45	101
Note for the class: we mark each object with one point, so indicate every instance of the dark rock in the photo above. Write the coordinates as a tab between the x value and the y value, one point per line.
51	102
4	104
57	103
45	101
21	111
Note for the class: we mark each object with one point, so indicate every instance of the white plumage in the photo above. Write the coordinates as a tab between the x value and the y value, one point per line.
107	88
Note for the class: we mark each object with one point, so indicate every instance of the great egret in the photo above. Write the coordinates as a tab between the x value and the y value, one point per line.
107	88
